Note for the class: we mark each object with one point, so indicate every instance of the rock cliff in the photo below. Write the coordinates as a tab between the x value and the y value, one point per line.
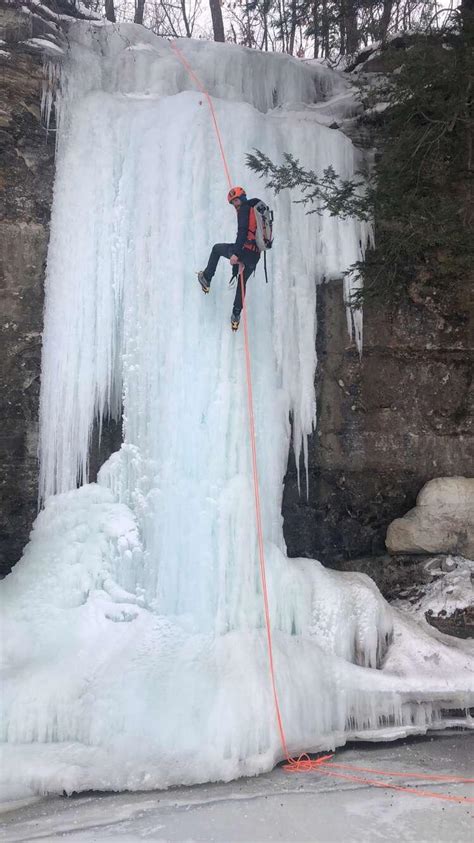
26	182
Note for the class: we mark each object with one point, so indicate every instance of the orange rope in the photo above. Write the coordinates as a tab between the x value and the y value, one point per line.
303	763
404	775
430	794
261	551
203	90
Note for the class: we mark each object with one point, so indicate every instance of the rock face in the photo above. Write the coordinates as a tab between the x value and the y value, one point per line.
441	522
26	181
387	423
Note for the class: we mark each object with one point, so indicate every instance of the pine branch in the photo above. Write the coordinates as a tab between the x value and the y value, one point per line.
339	197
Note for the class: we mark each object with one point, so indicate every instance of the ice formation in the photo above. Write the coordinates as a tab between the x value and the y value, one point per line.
134	646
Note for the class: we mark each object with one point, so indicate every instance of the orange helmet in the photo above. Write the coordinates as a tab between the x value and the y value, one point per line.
236	193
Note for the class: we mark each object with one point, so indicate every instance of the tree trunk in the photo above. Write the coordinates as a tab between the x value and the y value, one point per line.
139	9
315	29
217	22
467	15
349	16
325	31
291	45
110	10
342	34
385	19
265	27
248	36
185	19
467	18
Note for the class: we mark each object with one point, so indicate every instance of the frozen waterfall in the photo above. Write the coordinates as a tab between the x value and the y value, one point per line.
134	648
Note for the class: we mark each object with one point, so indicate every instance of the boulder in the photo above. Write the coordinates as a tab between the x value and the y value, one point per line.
441	522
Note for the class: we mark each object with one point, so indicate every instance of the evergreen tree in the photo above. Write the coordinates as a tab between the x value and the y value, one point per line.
420	191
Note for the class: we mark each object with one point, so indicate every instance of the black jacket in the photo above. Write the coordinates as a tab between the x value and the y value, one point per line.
243	226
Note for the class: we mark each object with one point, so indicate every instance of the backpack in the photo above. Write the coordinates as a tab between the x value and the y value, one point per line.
264	219
264	232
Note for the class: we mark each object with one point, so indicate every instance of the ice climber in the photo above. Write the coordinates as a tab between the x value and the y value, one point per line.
244	251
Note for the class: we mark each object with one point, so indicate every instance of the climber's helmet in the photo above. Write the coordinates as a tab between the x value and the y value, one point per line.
236	193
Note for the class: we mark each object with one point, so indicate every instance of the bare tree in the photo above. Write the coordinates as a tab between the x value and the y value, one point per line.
247	22
173	18
139	11
217	21
385	19
293	26
321	28
110	10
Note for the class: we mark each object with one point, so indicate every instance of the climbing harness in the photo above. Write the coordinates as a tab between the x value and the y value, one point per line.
303	763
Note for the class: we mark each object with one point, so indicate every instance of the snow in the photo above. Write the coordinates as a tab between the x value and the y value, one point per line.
45	46
46	12
142	46
378	108
344	105
135	652
43	10
451	588
84	10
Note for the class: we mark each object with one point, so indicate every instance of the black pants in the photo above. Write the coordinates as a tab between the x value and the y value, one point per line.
249	259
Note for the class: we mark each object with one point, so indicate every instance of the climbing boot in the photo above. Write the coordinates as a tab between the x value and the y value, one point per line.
234	321
205	286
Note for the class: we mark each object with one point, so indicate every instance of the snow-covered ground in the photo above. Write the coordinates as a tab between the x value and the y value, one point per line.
449	587
277	806
134	647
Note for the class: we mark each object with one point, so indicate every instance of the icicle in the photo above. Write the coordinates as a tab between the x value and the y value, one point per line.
50	91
